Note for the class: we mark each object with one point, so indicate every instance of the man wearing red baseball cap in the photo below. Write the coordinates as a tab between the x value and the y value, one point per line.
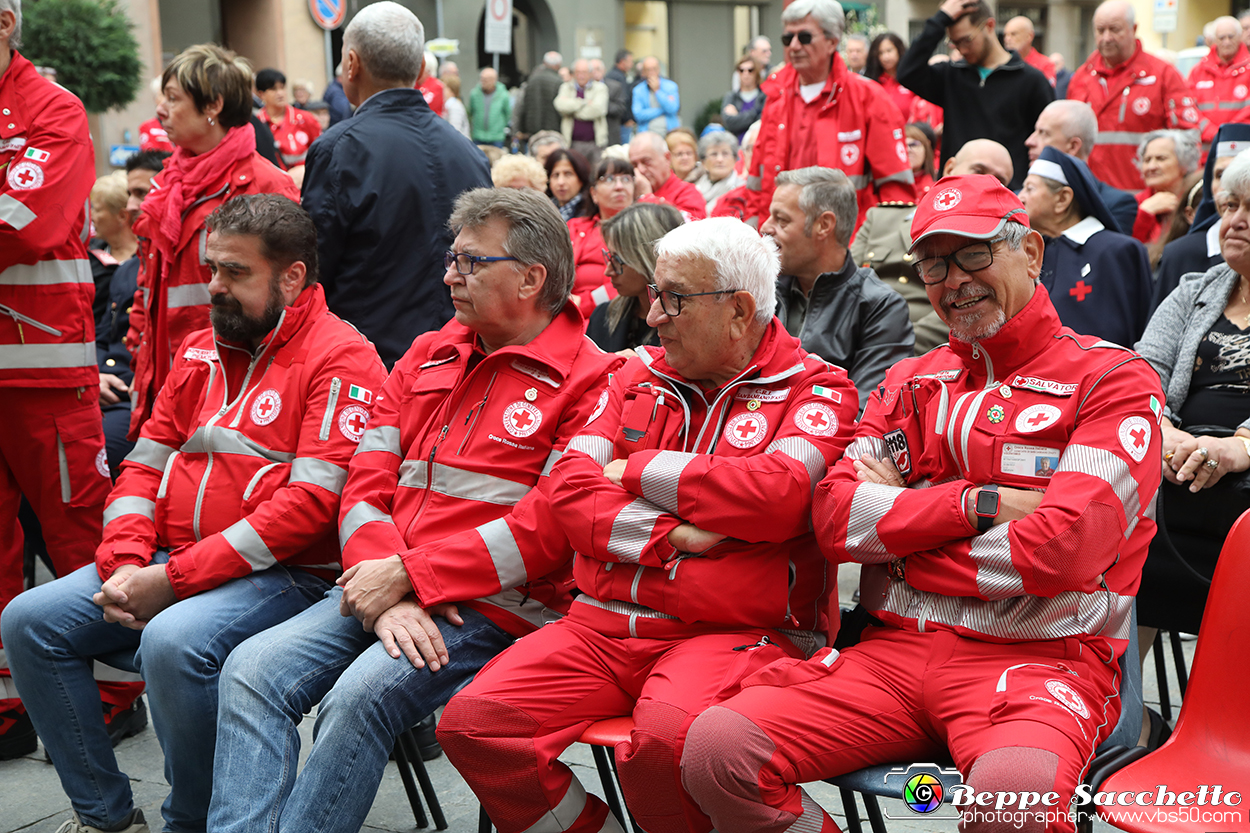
998	600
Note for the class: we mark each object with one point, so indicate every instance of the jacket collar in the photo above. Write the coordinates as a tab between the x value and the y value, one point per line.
787	79
555	348
1083	231
309	305
1098	65
20	73
1023	336
777	356
395	97
1240	57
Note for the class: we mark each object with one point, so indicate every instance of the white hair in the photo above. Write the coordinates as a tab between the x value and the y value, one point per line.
1215	24
1184	145
1236	178
827	14
748	138
655	140
15	6
431	65
390	41
553	59
742	259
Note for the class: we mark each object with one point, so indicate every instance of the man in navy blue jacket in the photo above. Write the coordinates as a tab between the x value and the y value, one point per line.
380	187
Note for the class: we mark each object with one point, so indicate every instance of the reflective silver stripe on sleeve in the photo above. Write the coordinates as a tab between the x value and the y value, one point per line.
872	447
803	451
319	473
228	441
1206	105
248	543
362	513
203	246
130	505
1110	469
599	448
562	816
754	183
188	295
15	213
599	295
662	475
150	453
552	459
631	530
1119	137
504	552
47	273
1232	105
901	176
460	483
24	356
997	577
383	438
868	504
860	181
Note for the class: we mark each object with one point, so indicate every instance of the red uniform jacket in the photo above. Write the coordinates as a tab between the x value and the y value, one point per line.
1140	95
900	96
242	463
432	89
592	285
152	136
168	309
739	459
1043	64
1220	90
966	415
292	138
859	132
47	168
681	195
451	473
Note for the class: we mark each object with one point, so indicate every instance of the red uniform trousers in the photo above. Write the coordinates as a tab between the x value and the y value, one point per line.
505	731
902	696
51	440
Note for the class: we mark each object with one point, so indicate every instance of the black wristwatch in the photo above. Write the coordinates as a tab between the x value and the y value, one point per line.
986	508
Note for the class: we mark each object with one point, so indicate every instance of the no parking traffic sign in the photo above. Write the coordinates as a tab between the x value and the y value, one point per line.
328	14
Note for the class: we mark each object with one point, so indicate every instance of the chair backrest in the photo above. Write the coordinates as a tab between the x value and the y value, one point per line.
1213	711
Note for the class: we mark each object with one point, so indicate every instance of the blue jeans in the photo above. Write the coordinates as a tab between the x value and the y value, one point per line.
276	677
53	632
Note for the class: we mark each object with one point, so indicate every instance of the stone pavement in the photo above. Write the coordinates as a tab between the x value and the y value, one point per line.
31	799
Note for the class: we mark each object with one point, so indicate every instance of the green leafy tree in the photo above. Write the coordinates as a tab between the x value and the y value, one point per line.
91	46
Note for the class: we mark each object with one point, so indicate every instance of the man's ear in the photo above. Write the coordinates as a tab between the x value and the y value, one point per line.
291	281
825	226
1063	200
1033	250
948	167
743	315
533	279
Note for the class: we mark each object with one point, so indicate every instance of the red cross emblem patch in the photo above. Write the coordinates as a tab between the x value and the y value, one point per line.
746	430
25	175
946	199
352	422
1068	698
1135	435
266	407
1036	417
817	419
520	419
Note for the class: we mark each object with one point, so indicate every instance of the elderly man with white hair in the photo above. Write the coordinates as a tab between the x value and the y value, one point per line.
1218	82
688	500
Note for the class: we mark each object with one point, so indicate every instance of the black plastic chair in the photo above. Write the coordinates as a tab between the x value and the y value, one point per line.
413	773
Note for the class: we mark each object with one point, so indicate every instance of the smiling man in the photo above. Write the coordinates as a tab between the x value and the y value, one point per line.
1002	596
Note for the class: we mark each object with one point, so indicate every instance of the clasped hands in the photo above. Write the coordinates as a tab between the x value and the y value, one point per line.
380	594
134	594
1187	458
1013	505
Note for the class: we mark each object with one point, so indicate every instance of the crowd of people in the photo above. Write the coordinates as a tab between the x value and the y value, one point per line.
347	406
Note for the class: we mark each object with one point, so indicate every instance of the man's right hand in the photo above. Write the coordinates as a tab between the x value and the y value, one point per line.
1013	504
110	383
654	84
956	9
406	629
111	597
688	538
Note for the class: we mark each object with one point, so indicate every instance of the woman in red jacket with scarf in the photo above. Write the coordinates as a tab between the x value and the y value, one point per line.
206	104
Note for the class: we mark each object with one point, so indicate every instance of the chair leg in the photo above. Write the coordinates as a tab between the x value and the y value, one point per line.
875	819
409	741
608	780
852	811
483	822
405	775
1161	674
1178	657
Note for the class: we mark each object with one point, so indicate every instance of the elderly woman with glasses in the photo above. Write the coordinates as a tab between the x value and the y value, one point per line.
620	325
719	153
611	192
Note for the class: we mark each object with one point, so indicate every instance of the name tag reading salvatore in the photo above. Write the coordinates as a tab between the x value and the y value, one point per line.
1029	460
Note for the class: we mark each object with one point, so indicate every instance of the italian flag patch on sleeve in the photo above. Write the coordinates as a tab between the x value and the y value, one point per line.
360	394
827	393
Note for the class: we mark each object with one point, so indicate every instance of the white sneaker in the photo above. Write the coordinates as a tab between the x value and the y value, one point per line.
138	824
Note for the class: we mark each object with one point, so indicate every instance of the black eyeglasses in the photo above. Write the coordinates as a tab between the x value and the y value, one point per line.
752	69
670	301
804	38
466	262
971	258
615	266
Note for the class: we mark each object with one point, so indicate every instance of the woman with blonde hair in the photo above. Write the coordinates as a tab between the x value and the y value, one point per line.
683	149
516	170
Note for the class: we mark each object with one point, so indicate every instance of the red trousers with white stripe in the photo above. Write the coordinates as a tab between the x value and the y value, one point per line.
51	451
506	729
1018	717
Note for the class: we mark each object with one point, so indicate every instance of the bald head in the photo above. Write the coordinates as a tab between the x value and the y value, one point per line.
1115	31
981	156
1018	34
1227	37
488	79
581	72
1066	125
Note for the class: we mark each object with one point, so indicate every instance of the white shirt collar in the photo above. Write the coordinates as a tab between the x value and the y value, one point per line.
1213	239
1084	230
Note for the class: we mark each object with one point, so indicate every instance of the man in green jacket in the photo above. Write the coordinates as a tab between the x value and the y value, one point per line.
490	108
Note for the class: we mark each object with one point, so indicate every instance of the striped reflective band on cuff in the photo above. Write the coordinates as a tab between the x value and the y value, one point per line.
562	816
1110	469
47	273
803	451
901	176
997	577
813	818
868	505
130	505
15	213
188	295
860	181
552	459
319	473
504	552
362	513
631	530
622	608
229	441
25	356
150	453
384	438
661	476
599	448
873	447
248	543
461	483
1119	137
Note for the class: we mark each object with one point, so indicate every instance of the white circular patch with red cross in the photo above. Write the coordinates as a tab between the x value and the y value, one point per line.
1190	114
266	407
1135	434
817	419
25	175
746	430
1036	417
520	419
301	137
1240	91
102	463
946	199
1141	106
850	154
1067	698
352	422
901	150
599	406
